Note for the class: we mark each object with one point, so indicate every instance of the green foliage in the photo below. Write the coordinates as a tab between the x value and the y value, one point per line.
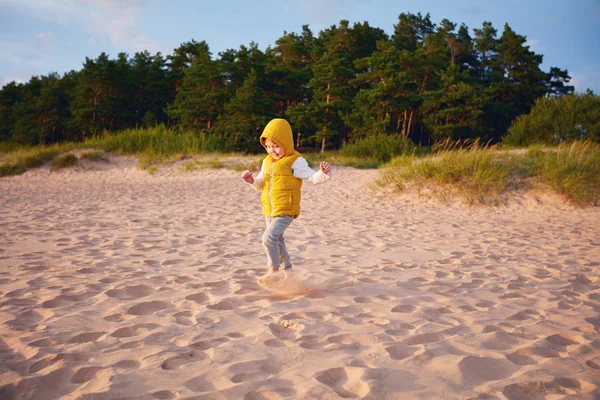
426	82
555	120
455	109
201	94
64	161
246	114
380	147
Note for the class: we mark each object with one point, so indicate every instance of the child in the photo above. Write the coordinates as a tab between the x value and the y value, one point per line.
280	180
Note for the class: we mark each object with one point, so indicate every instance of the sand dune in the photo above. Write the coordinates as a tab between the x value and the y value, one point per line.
117	284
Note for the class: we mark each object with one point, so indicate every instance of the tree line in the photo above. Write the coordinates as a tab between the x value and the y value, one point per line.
426	81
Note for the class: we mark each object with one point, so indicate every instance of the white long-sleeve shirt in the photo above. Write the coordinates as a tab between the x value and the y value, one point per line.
300	169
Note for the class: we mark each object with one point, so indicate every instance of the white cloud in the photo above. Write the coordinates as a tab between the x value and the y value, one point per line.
324	11
535	46
6	79
23	50
45	39
48	10
113	20
586	78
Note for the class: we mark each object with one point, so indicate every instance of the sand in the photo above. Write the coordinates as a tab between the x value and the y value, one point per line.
120	284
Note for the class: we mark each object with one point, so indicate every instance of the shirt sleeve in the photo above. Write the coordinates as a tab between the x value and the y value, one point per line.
301	170
258	179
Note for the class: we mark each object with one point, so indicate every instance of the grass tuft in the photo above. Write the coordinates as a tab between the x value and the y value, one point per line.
23	159
252	165
94	156
213	163
64	161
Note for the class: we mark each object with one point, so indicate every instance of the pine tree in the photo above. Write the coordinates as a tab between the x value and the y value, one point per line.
201	96
246	114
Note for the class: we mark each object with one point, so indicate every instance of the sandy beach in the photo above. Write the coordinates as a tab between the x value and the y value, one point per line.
120	284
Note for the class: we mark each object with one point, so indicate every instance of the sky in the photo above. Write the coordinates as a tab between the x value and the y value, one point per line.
38	37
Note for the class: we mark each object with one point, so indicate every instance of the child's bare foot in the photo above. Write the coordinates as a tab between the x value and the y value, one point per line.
288	273
271	277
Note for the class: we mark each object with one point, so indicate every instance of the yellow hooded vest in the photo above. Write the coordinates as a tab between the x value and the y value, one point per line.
281	192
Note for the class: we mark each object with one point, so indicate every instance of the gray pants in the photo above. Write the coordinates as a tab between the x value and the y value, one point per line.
273	243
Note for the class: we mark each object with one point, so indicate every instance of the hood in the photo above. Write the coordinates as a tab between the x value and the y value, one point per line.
280	132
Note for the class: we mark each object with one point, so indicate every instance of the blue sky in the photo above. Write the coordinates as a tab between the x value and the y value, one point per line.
38	37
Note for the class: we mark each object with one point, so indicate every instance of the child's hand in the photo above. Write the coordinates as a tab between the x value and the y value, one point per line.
325	167
247	176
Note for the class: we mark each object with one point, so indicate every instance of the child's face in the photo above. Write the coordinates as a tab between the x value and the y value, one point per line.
275	150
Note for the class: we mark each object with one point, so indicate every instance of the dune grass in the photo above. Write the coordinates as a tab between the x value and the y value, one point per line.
573	170
64	161
158	142
483	174
20	160
94	156
476	172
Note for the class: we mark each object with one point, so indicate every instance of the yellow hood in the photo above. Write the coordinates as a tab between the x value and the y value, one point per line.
280	132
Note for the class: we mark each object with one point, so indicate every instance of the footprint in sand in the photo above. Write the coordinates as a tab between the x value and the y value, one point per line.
404	308
86	337
85	374
199	298
594	363
127	364
30	318
209	344
534	390
42	343
484	369
400	352
345	382
165	395
177	361
149	307
41	364
562	340
253	370
135	330
131	292
530	355
285	329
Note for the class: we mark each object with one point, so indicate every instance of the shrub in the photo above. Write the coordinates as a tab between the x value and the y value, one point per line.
379	147
556	120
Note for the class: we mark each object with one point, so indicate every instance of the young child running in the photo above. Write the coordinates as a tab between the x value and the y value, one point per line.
280	179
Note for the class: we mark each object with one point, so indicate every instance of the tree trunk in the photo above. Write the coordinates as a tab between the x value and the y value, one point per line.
323	144
412	112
